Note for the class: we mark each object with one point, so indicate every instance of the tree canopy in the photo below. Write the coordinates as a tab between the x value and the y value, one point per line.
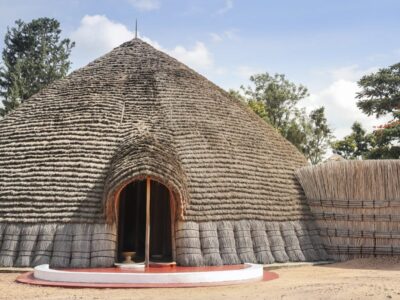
275	99
278	95
34	56
379	96
356	145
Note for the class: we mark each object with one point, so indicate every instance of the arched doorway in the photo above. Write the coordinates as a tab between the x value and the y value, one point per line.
133	212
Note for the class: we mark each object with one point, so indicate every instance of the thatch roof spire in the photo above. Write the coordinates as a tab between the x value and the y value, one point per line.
136	29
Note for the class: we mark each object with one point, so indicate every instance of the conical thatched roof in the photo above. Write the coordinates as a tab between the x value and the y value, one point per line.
136	111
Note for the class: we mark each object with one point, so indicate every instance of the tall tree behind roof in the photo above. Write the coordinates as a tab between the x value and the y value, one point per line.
34	56
379	96
275	99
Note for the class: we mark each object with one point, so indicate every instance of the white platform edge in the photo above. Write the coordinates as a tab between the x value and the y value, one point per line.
252	272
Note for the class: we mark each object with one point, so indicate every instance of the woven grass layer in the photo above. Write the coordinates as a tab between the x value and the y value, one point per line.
197	244
356	205
235	242
62	245
136	112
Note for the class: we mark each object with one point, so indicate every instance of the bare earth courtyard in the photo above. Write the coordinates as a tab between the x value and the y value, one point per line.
357	279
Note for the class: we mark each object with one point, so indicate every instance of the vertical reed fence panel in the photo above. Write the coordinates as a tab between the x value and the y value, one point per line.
356	205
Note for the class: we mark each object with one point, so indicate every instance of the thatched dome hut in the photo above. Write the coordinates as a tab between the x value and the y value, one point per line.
76	160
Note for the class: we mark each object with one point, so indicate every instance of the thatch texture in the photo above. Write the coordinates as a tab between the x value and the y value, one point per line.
66	153
27	244
9	245
356	205
245	241
62	245
44	244
210	244
81	243
136	112
103	246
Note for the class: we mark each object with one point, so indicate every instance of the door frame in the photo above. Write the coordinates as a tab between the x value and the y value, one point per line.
173	210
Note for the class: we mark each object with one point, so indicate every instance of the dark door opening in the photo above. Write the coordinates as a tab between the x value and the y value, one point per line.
132	221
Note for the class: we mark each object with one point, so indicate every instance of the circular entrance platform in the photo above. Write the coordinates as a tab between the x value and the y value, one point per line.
147	277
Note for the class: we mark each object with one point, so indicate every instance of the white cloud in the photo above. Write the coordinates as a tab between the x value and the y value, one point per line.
155	44
339	100
215	37
228	5
230	34
221	71
396	52
246	71
145	5
199	57
352	73
95	36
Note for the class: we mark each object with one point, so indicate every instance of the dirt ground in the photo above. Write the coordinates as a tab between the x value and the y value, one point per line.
357	279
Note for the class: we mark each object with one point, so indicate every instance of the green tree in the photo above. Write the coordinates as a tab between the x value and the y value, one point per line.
275	99
356	145
34	56
318	136
380	96
310	133
278	95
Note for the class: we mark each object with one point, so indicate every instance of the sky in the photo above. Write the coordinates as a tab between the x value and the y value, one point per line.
325	45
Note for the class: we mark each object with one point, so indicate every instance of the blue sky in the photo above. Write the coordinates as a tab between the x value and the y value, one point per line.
325	45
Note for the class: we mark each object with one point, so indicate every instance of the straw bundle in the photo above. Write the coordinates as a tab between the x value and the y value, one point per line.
227	244
2	226
210	244
27	245
62	245
356	205
81	242
292	244
9	247
188	245
244	243
261	246
103	246
44	244
276	242
305	242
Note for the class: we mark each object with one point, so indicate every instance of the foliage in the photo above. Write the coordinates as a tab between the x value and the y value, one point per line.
34	56
379	96
355	145
318	136
278	95
275	99
311	134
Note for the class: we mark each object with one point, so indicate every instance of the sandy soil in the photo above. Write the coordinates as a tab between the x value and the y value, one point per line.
357	279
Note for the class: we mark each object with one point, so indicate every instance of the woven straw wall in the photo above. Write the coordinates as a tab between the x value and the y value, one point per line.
356	205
